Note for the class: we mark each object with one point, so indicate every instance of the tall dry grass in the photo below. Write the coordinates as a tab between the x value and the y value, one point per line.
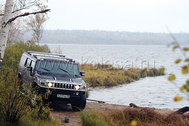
142	116
107	75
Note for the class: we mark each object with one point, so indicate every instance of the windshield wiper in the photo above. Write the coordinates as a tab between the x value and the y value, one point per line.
43	68
48	71
67	73
77	75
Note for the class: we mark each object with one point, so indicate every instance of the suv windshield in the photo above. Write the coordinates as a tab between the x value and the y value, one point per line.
58	68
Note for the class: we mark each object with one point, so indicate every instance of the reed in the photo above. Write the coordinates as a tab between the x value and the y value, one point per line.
107	75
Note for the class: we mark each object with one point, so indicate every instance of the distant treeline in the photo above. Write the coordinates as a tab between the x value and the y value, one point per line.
108	37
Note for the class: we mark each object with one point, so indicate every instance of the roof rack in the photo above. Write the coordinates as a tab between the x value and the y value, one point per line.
71	60
35	54
48	56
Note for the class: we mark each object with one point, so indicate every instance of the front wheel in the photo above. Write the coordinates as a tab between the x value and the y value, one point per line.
79	105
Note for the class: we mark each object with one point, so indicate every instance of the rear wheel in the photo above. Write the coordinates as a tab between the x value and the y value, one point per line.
79	105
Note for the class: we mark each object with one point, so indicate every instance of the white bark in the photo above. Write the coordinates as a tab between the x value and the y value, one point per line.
5	28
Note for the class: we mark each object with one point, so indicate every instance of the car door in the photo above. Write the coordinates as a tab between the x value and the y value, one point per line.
24	71
30	63
27	73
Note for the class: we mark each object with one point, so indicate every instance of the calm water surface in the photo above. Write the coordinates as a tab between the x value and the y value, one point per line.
151	91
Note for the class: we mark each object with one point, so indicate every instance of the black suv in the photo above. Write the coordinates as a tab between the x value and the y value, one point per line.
54	72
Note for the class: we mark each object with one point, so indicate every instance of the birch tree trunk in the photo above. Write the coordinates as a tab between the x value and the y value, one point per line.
5	28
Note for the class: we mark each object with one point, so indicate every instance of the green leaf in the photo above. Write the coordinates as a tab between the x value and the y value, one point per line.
162	70
171	77
187	82
184	70
174	47
186	60
186	49
177	61
182	88
186	88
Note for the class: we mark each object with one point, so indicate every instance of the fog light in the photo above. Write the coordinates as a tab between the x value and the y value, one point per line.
77	87
77	93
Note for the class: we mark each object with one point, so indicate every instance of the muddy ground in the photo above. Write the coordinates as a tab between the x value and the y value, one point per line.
74	117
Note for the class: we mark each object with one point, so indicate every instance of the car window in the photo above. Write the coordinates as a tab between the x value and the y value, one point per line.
25	62
57	67
28	62
32	64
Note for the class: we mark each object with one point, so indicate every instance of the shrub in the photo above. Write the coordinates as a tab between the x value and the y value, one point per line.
40	109
14	52
41	112
14	103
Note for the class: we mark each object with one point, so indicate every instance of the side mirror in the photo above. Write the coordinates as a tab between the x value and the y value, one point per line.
82	73
29	68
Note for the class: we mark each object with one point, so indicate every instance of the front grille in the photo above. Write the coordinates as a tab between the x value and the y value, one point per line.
62	85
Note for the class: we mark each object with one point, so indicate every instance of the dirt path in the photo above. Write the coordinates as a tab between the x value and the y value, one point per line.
74	117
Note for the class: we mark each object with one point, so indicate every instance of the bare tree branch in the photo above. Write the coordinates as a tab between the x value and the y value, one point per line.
21	8
24	7
23	15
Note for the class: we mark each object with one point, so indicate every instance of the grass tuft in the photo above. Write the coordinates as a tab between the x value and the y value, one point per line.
93	119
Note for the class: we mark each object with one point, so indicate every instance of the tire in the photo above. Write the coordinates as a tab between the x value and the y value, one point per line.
79	105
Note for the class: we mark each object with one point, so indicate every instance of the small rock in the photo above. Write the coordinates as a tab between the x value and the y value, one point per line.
66	120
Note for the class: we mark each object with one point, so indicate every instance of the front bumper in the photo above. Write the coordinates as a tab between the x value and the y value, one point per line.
52	97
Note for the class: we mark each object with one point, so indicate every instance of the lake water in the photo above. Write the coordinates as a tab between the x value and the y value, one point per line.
155	92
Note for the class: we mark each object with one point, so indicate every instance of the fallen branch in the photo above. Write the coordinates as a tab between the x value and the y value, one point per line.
96	101
182	110
133	105
23	15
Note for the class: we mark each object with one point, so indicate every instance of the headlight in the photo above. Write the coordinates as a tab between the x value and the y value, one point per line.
50	84
77	87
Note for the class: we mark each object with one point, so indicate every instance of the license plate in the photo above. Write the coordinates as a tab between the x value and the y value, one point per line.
63	96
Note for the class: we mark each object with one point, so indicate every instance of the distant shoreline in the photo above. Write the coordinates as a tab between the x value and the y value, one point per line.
105	44
107	37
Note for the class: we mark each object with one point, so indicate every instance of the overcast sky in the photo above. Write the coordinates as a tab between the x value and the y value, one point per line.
119	15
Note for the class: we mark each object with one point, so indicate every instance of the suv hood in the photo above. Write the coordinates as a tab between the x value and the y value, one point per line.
59	79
